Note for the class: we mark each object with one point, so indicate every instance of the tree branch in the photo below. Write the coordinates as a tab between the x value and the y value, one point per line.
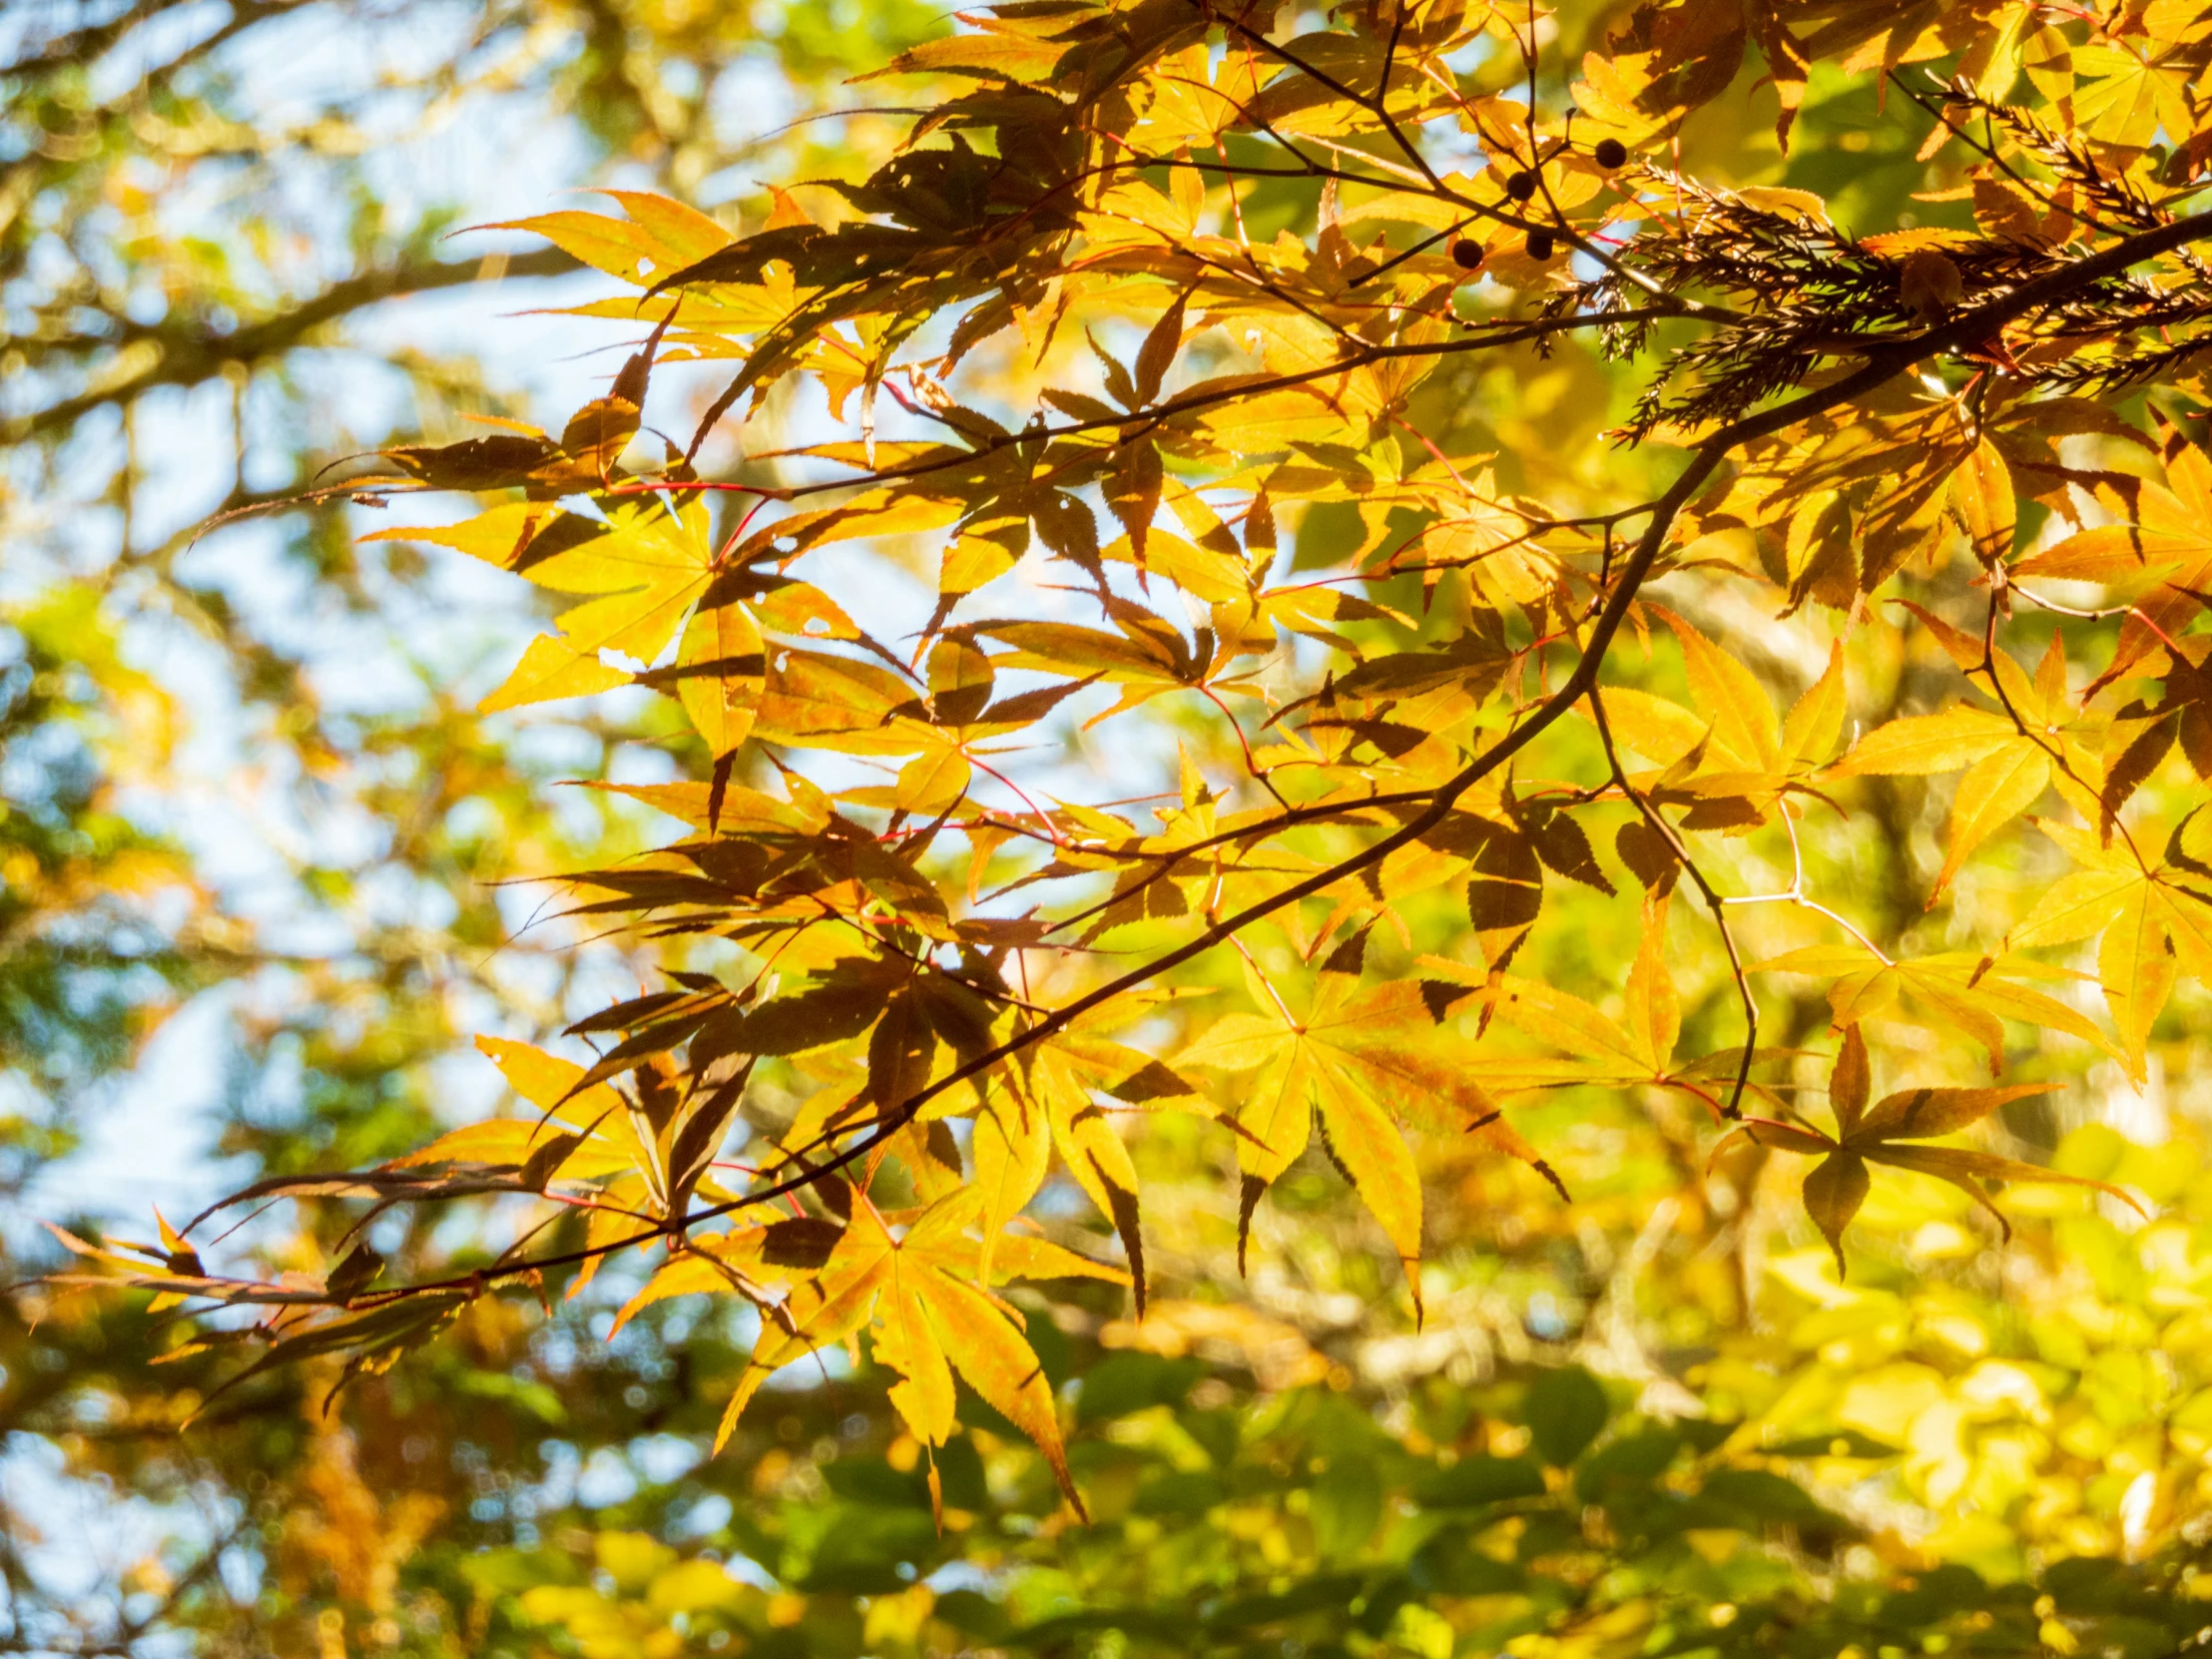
190	356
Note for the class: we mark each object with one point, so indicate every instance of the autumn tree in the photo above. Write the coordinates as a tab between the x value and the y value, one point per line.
1299	596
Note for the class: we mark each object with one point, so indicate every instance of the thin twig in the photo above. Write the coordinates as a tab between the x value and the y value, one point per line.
1713	900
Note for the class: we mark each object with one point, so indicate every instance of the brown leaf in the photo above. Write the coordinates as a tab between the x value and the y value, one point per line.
1848	1084
1834	1191
1923	1114
1930	284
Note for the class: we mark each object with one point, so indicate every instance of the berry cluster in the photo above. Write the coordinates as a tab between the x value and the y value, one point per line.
1520	186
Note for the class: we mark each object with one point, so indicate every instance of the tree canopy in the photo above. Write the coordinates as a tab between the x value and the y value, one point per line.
1437	778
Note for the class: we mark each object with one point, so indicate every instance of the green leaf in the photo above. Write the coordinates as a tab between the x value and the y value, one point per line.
1566	1411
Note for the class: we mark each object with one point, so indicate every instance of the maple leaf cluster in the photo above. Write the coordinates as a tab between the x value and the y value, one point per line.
947	983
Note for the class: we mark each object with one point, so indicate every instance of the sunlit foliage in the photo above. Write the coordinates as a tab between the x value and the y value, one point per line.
1279	599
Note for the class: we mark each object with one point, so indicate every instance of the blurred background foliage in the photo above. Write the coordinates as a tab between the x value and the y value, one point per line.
252	842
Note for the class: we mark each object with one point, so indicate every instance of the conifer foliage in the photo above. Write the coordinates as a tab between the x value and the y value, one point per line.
1240	255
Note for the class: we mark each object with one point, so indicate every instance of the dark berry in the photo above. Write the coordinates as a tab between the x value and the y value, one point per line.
1521	186
1466	253
1539	246
1609	152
